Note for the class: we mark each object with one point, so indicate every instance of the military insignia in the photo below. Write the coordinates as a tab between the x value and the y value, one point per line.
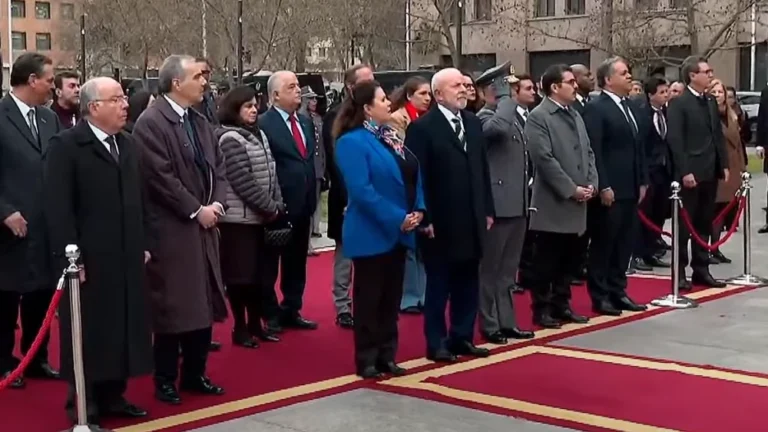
511	70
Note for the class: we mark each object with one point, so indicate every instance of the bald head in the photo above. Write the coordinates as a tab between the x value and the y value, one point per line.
284	91
103	103
584	79
449	89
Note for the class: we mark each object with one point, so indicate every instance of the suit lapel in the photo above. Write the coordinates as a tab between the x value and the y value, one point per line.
447	126
85	136
309	136
45	130
386	156
13	113
283	129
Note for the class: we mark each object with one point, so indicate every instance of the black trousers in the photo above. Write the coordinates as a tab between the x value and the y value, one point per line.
699	202
556	257
377	291
194	347
656	207
611	249
32	307
100	397
292	260
246	303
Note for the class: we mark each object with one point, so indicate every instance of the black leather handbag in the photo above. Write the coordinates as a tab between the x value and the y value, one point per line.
278	234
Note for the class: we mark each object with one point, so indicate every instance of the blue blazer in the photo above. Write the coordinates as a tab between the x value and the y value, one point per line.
377	203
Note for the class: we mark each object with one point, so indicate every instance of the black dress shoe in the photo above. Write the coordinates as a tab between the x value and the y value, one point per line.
639	265
267	336
369	372
214	346
547	322
721	258
18	383
706	279
516	333
655	262
468	349
442	356
273	326
630	271
684	285
517	289
606	308
167	393
627	304
201	385
125	410
763	229
345	321
391	368
244	339
569	316
298	322
41	370
496	338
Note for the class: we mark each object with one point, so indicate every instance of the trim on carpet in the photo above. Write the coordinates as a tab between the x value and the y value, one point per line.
290	396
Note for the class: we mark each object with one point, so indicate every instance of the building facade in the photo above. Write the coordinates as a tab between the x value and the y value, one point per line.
49	27
655	35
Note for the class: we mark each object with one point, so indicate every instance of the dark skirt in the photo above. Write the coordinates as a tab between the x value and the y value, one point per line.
242	248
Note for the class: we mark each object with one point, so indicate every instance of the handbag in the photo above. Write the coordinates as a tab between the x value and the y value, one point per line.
278	235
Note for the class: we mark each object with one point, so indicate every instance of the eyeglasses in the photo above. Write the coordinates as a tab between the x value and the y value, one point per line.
115	99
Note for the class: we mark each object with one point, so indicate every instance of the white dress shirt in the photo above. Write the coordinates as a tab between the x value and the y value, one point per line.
25	109
102	137
617	100
450	116
287	119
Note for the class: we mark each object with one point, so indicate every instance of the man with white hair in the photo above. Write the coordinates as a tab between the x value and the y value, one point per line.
292	141
184	171
93	199
451	148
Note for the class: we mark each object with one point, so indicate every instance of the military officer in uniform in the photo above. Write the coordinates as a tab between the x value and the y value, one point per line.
508	167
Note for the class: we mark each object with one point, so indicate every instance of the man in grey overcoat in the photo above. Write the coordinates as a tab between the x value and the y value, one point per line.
184	171
508	166
28	283
566	178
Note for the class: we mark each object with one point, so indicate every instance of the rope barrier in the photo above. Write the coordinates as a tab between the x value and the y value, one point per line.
32	351
704	243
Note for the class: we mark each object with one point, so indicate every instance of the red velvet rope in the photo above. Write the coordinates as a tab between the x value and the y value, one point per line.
703	243
658	230
36	344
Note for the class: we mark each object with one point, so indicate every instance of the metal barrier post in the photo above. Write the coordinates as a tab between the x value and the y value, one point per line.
747	278
73	283
675	300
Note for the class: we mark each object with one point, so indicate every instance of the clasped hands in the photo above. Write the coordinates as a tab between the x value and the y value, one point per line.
411	221
583	194
208	216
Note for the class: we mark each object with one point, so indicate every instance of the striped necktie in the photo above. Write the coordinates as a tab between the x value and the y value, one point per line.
459	132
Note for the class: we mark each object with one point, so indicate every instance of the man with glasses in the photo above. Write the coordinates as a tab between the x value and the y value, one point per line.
565	180
208	105
697	143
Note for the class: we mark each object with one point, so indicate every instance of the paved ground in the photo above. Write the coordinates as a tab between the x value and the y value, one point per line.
730	333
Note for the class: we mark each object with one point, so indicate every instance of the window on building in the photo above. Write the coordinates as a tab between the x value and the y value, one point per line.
545	8
68	11
19	41
18	9
483	10
42	10
43	41
575	7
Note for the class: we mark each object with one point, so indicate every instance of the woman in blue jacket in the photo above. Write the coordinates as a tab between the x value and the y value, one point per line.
385	206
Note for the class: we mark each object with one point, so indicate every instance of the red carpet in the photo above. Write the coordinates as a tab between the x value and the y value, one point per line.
667	399
301	358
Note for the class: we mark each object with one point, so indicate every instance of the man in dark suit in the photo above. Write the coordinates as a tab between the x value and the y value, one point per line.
94	200
761	141
292	141
451	148
585	84
337	202
699	157
649	244
565	180
508	168
617	141
186	194
25	268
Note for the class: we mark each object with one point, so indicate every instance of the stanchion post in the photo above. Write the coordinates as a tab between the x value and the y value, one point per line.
747	278
73	284
675	300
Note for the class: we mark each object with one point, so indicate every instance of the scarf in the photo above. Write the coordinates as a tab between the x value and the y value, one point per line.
387	135
413	113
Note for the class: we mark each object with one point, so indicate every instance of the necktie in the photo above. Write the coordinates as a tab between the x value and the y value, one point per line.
32	124
296	132
661	124
459	132
113	148
628	114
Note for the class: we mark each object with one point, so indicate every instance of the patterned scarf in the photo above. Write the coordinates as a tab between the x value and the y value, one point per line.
387	135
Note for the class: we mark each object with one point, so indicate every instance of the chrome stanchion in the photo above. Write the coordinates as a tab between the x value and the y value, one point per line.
747	278
675	300
73	282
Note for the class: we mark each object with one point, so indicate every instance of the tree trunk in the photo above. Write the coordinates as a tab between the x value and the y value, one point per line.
606	28
693	33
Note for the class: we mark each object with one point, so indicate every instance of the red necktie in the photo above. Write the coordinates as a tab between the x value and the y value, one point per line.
297	137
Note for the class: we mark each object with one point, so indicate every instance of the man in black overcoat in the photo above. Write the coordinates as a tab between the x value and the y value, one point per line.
28	284
93	197
449	143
